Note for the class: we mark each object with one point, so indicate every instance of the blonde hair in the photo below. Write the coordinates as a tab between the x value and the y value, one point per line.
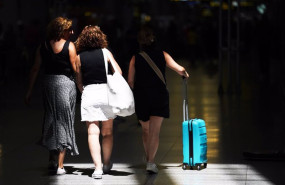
57	27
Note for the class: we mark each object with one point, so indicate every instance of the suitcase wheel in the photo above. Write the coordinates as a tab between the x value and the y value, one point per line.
184	166
205	165
199	167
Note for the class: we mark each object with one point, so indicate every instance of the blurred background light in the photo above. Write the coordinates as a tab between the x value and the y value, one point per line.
261	8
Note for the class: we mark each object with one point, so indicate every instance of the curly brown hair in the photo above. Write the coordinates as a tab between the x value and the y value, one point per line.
91	37
57	27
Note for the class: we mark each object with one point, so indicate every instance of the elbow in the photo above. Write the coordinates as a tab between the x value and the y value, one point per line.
34	70
131	84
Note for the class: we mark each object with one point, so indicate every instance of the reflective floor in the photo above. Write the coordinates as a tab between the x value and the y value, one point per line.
253	121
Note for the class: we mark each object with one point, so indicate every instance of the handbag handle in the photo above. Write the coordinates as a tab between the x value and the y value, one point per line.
106	62
152	65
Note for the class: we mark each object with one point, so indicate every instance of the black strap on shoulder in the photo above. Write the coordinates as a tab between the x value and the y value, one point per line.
66	44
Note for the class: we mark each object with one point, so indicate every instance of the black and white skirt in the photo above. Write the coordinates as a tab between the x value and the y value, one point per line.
59	96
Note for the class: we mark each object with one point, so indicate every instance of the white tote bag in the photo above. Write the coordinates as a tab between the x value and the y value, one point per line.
120	95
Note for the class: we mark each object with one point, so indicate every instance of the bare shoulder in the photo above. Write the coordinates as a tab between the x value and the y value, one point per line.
71	44
107	51
71	47
133	59
165	53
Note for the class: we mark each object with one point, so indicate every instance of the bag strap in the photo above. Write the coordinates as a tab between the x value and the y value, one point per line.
152	65
106	61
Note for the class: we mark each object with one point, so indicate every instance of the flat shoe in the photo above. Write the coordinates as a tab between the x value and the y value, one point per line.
107	168
60	171
151	168
97	174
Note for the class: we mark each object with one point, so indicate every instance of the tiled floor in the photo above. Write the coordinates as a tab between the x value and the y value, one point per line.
234	124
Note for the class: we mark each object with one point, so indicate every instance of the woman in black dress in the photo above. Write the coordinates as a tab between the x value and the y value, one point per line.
150	92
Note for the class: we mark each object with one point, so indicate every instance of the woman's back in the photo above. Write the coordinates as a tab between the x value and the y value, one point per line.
93	67
56	58
145	75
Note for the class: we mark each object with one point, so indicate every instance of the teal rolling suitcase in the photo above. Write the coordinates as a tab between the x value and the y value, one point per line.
194	138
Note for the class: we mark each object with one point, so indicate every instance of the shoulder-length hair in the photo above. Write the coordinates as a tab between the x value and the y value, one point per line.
91	37
145	36
57	28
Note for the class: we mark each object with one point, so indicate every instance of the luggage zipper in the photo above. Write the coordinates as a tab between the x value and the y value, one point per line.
191	142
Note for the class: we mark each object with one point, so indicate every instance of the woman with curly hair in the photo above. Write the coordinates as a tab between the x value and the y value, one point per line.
58	55
92	82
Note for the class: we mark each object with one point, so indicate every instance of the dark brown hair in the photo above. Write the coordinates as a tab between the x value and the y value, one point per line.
57	27
146	36
91	37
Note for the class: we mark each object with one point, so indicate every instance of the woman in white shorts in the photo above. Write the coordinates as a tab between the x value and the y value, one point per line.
92	82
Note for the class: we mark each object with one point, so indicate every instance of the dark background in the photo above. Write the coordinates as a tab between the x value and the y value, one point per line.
246	51
186	29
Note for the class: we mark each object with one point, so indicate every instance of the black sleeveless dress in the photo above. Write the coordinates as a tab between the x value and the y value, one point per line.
150	93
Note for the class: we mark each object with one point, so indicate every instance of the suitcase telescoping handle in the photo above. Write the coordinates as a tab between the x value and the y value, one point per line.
185	100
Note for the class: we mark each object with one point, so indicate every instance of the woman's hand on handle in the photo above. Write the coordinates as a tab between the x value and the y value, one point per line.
184	73
174	66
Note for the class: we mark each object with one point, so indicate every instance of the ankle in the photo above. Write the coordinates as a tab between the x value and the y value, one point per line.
107	163
98	168
146	157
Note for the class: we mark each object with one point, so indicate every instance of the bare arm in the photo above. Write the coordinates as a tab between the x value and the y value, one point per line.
132	71
33	75
72	55
174	66
78	74
111	58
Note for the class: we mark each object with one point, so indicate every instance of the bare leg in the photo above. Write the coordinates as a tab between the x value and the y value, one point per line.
61	158
107	140
94	144
153	142
145	134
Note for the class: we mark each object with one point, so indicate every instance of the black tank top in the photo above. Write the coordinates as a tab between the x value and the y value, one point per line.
56	63
93	67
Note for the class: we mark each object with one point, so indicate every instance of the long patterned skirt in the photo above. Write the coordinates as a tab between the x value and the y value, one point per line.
59	96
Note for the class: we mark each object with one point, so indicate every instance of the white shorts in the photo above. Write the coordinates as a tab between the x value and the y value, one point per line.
94	103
